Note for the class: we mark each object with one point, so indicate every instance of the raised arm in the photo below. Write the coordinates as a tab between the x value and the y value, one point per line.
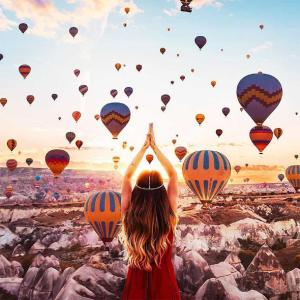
172	174
126	185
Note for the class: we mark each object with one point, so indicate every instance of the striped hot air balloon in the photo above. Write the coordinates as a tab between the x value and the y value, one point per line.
259	94
11	164
57	160
103	212
206	173
24	70
180	152
115	117
200	118
292	173
11	144
83	89
261	137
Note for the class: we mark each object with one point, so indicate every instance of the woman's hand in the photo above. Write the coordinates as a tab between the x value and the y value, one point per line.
152	137
147	142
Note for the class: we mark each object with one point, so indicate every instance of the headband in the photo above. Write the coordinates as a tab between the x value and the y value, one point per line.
149	188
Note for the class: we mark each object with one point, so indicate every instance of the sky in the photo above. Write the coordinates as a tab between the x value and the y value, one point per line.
103	41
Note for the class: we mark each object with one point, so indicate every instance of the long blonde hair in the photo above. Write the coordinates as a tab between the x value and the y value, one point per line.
147	222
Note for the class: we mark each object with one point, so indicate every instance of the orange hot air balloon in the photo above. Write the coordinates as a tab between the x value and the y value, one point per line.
3	101
124	145
76	115
24	70
57	160
103	212
261	137
116	160
149	158
200	118
278	132
79	143
127	10
30	99
292	173
118	66
162	50
97	117
180	152
131	148
11	144
174	141
11	164
213	83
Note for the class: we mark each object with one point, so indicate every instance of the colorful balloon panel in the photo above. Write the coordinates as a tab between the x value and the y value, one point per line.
206	173
103	212
57	160
24	70
259	94
292	173
261	137
11	164
115	117
180	152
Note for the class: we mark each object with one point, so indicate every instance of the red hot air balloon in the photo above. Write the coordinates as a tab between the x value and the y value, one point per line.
83	89
24	70
78	143
127	10
3	101
114	93
115	117
97	117
57	160
23	27
76	115
226	111
30	99
76	72
219	132
237	169
180	152
165	99
70	136
149	158
54	96
182	77
162	50
139	67
11	164
128	91
73	31
200	41
261	137
11	144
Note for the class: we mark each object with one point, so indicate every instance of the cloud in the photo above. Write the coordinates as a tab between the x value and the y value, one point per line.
262	47
264	168
229	144
46	19
5	23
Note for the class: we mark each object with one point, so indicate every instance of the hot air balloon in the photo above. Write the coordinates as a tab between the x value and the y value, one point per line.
278	132
213	83
248	56
219	132
37	178
23	27
56	195
115	117
127	10
1	56
182	77
73	31
131	148
103	212
237	169
116	160
70	136
128	91
261	136
246	165
30	99
162	50
174	141
149	158
97	117
200	118
186	5
296	156
57	160
280	177
163	108
165	99
24	70
76	72
259	94
3	101
136	107
139	67
172	81
11	144
124	145
200	41
78	143
192	70
180	152
11	164
114	93
9	191
292	173
118	66
206	173
261	26
54	96
225	111
29	161
76	115
83	89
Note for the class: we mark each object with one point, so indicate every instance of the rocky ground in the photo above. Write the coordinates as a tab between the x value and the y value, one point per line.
244	248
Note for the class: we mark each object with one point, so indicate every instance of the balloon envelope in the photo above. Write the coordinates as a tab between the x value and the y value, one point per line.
206	173
278	132
200	118
103	212
57	160
261	137
24	70
149	158
280	177
165	99
70	136
11	144
73	31
200	41
292	173
23	27
128	91
226	111
29	161
3	101
180	152
11	164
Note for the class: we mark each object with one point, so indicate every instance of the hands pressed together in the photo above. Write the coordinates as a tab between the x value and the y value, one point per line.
150	139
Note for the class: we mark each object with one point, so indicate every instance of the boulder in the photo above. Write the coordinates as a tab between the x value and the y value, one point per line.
10	285
18	251
10	269
118	268
63	278
226	272
293	284
37	247
216	289
47	262
7	238
235	261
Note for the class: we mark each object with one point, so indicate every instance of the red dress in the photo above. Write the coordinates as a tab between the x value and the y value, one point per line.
159	284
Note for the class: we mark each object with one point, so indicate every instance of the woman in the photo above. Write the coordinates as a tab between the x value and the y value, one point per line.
149	221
